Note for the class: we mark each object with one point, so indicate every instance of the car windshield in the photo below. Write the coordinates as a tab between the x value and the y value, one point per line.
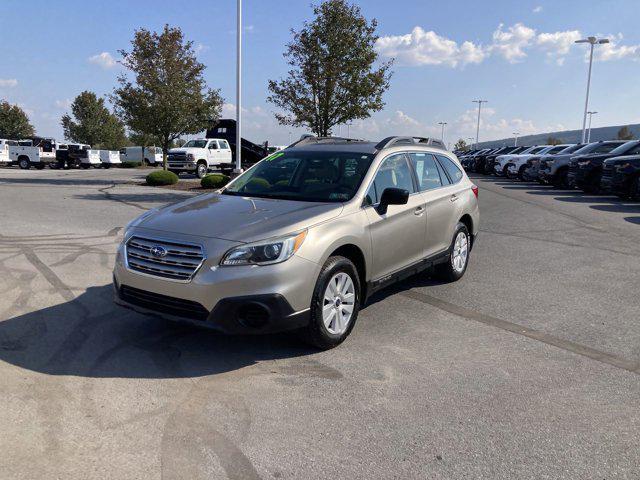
195	144
304	176
625	148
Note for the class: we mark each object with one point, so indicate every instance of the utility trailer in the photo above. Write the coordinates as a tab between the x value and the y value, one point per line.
4	150
33	152
110	158
74	155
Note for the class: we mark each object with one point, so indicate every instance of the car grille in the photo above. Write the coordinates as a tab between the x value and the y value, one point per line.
179	262
177	158
607	173
163	303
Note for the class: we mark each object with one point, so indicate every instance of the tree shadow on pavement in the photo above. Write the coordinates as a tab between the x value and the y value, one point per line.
90	336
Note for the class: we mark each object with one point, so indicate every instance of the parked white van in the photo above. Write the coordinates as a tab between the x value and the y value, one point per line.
146	155
109	158
4	150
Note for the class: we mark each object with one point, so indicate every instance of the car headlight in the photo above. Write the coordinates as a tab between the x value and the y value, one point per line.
584	164
267	252
191	156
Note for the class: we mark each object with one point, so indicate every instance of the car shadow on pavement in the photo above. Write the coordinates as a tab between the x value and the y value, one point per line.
635	220
90	336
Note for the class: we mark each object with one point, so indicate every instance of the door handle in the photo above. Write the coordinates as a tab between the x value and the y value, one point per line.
454	197
418	211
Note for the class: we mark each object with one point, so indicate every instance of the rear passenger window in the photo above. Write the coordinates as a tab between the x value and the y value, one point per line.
452	169
426	171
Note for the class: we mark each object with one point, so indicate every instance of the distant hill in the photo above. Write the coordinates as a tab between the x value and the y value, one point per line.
567	136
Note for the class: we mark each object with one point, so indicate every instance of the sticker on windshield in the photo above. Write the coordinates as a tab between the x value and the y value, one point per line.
274	156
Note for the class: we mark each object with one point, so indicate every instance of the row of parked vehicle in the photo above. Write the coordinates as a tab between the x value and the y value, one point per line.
608	166
40	152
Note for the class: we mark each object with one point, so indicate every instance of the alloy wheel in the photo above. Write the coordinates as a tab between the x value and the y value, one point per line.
460	252
338	303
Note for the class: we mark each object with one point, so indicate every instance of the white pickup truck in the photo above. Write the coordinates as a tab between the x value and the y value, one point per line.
109	158
33	152
201	155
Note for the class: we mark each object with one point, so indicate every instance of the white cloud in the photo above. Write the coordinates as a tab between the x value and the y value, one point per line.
104	60
537	9
615	51
558	44
63	104
8	82
428	48
511	43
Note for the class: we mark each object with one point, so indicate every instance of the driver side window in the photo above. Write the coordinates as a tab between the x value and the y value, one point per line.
394	172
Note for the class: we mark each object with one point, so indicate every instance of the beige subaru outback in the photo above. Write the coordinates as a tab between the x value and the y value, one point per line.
301	239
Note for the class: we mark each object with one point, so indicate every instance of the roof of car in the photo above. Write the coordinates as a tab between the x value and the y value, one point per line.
358	147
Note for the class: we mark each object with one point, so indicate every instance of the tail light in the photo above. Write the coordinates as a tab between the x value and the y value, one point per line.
474	189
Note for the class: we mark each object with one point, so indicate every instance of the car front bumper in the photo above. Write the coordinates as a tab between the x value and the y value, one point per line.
234	299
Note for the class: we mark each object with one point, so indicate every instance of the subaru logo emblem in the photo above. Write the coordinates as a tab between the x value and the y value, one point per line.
158	251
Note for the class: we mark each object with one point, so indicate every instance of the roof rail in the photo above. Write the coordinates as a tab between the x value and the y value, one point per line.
397	140
311	140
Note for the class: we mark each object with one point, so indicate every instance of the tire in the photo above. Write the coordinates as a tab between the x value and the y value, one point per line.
634	188
521	173
592	185
453	270
24	163
560	179
84	166
325	330
106	165
201	169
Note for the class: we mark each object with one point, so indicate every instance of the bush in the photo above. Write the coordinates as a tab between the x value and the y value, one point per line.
129	164
161	177
259	184
214	180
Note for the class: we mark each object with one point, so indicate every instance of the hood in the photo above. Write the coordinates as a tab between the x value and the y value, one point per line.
633	159
240	219
185	150
597	157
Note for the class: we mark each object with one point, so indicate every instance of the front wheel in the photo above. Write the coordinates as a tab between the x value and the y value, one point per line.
334	305
454	269
201	170
24	163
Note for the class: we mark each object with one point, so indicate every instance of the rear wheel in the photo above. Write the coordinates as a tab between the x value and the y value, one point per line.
334	305
454	269
24	163
85	166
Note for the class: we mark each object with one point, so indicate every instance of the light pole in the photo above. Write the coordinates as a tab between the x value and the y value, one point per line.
238	168
592	41
442	124
479	102
515	134
591	114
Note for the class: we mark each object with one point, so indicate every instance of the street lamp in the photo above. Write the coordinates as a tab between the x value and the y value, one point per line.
591	114
592	41
238	169
515	134
442	134
479	102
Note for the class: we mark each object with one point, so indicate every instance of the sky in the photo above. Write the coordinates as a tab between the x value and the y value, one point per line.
519	55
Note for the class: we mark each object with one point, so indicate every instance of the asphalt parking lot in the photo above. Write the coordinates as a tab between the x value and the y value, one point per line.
526	368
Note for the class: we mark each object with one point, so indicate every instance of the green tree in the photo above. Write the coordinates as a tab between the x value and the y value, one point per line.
14	122
461	145
332	79
168	96
625	134
93	123
551	140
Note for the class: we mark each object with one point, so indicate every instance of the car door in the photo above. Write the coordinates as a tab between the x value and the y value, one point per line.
212	153
442	193
397	237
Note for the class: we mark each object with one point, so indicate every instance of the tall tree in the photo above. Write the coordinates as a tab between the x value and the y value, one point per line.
553	140
168	96
93	123
332	79
14	122
461	145
625	134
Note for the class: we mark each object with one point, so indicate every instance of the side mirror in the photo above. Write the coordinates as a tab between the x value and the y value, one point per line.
392	196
